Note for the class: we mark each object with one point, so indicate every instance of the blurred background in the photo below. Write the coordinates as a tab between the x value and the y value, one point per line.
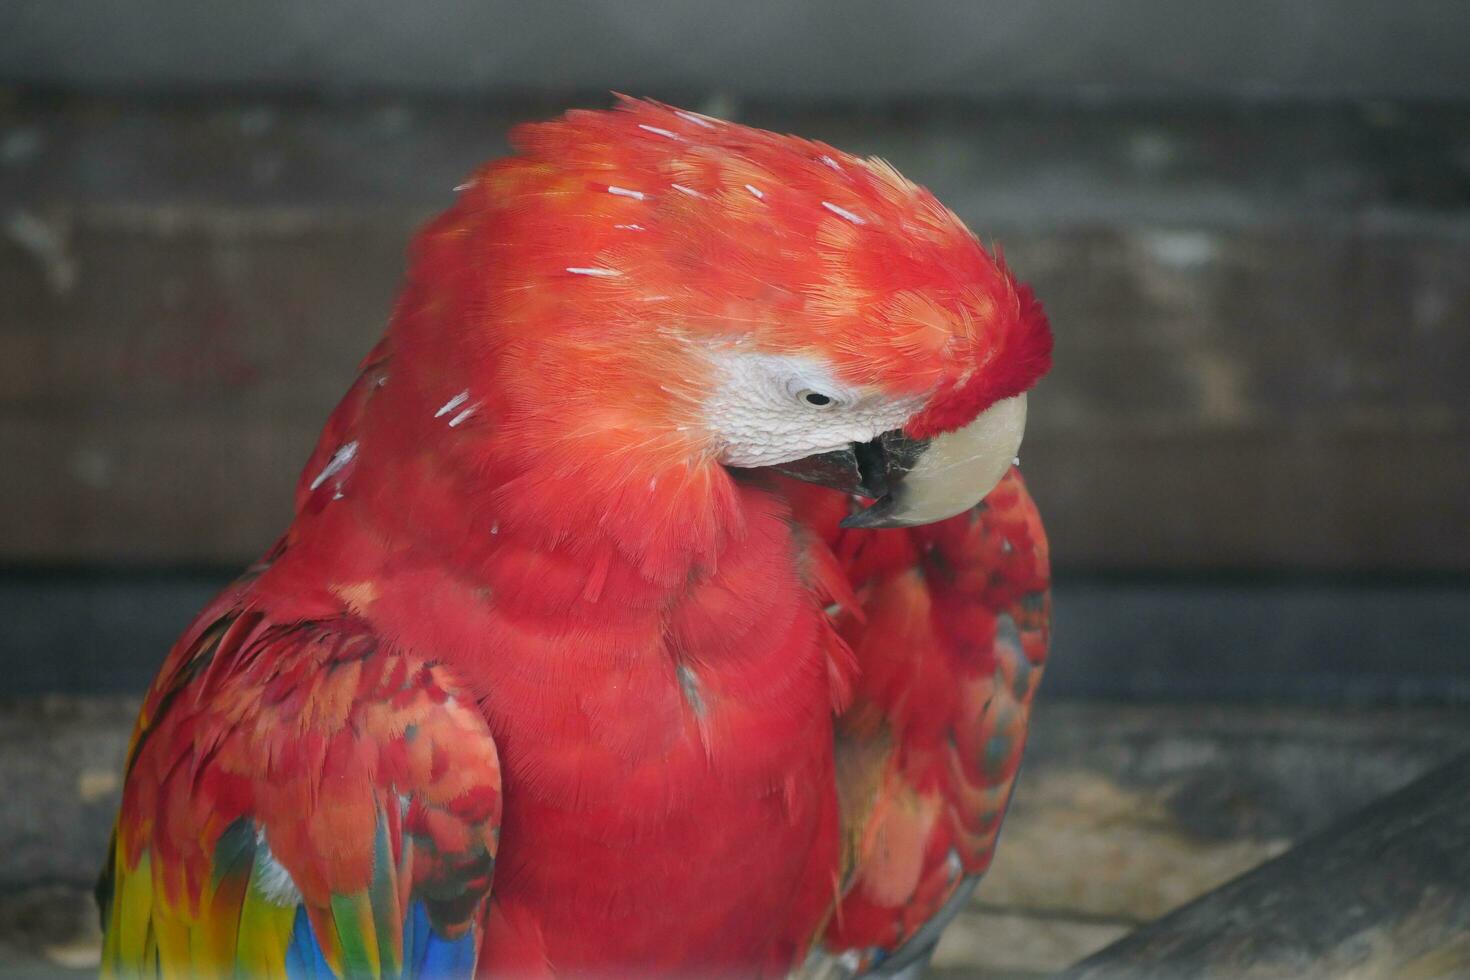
1249	222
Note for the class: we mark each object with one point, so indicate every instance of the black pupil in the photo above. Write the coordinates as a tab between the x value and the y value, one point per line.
816	398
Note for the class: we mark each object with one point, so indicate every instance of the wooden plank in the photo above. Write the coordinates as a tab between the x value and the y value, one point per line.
155	311
1313	328
209	487
1004	164
159	409
1290	499
112	489
1385	892
1245	378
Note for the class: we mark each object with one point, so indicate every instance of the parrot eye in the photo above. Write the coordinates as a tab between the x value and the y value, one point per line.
815	398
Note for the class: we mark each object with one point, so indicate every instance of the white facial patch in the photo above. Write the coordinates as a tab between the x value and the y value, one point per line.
776	408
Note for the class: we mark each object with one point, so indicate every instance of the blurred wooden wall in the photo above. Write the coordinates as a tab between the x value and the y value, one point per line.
1262	314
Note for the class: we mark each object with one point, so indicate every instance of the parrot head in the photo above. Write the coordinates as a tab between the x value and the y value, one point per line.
662	285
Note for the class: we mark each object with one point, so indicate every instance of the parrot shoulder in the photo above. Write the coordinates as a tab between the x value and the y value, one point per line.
300	794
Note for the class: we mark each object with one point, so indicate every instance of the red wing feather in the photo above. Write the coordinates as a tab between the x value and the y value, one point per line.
294	765
950	636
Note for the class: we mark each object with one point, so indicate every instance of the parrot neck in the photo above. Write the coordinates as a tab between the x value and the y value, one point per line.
472	495
561	573
440	481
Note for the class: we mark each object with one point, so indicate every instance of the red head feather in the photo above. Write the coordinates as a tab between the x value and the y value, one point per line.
609	222
557	321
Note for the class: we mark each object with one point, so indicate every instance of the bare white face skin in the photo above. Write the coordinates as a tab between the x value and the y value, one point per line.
771	409
776	408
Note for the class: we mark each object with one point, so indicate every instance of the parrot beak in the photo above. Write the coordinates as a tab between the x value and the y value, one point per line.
919	481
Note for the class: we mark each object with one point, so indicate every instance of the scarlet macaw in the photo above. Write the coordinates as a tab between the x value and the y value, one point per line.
584	653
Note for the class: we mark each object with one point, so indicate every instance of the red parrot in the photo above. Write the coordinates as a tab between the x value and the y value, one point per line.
640	615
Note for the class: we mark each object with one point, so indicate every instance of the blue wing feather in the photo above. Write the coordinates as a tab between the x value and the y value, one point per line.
304	959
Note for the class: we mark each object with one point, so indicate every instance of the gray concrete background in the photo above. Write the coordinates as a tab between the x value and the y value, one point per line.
1276	642
778	49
